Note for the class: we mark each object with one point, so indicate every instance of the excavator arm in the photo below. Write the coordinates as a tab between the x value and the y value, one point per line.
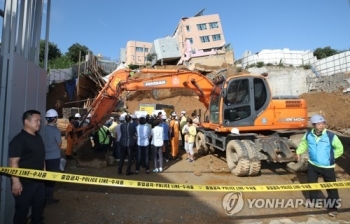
120	81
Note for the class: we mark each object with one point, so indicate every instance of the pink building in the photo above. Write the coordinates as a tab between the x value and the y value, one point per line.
197	36
200	36
136	52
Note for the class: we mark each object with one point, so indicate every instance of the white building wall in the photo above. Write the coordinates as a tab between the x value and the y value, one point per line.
326	66
275	57
333	64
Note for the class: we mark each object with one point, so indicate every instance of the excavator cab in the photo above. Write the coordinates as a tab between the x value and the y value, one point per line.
238	101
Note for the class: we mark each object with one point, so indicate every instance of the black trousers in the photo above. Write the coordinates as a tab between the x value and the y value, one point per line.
328	175
54	166
126	150
142	157
182	139
167	149
33	195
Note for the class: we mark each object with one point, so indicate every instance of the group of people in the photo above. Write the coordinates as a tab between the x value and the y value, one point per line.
28	150
140	138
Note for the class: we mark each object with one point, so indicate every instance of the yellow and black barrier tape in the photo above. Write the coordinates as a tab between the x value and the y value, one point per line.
114	182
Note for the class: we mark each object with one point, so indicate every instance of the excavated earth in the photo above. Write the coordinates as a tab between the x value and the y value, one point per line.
95	204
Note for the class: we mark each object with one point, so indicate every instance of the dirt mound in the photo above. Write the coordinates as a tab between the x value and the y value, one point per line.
334	106
187	103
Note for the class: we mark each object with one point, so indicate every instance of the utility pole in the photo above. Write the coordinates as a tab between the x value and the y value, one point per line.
78	98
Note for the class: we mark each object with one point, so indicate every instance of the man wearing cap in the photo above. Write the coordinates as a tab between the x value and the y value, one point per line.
323	148
183	122
53	143
77	116
87	120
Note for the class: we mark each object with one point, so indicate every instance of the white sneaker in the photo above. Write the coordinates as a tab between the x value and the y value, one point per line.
160	169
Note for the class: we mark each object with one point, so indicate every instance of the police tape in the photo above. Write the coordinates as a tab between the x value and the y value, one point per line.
113	182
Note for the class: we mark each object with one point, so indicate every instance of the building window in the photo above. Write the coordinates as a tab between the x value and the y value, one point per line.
139	49
188	28
146	49
216	37
202	26
190	39
213	25
205	39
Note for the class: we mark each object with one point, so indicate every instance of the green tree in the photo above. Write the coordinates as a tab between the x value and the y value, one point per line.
325	52
73	52
54	51
60	62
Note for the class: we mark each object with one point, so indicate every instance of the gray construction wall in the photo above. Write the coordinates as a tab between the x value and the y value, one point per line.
26	91
296	81
285	80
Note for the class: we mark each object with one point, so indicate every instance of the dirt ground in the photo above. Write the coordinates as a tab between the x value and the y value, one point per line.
96	204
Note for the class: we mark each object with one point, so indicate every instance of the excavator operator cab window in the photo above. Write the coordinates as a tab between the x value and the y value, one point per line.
237	101
215	104
238	92
260	94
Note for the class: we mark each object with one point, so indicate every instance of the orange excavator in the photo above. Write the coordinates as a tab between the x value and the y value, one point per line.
242	116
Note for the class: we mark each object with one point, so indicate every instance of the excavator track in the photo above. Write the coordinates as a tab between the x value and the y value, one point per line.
255	163
237	158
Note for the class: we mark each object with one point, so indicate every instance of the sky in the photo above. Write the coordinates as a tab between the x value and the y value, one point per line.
105	26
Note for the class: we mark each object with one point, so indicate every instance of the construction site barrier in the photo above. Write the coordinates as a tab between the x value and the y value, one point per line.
114	182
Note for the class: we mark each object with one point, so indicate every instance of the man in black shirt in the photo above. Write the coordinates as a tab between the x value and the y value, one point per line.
27	150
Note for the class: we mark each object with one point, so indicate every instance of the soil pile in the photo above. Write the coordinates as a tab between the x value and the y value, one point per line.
334	106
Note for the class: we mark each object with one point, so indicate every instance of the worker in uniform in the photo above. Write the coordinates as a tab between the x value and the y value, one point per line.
70	137
183	122
323	147
174	129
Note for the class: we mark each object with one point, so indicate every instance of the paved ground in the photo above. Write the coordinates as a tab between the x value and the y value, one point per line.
95	204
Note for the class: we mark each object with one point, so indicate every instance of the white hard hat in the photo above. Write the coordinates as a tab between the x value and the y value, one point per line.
122	117
77	115
235	131
134	116
173	114
183	112
317	119
89	115
163	117
51	113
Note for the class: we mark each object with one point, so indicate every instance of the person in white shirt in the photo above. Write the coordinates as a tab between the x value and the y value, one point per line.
118	134
142	150
157	143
